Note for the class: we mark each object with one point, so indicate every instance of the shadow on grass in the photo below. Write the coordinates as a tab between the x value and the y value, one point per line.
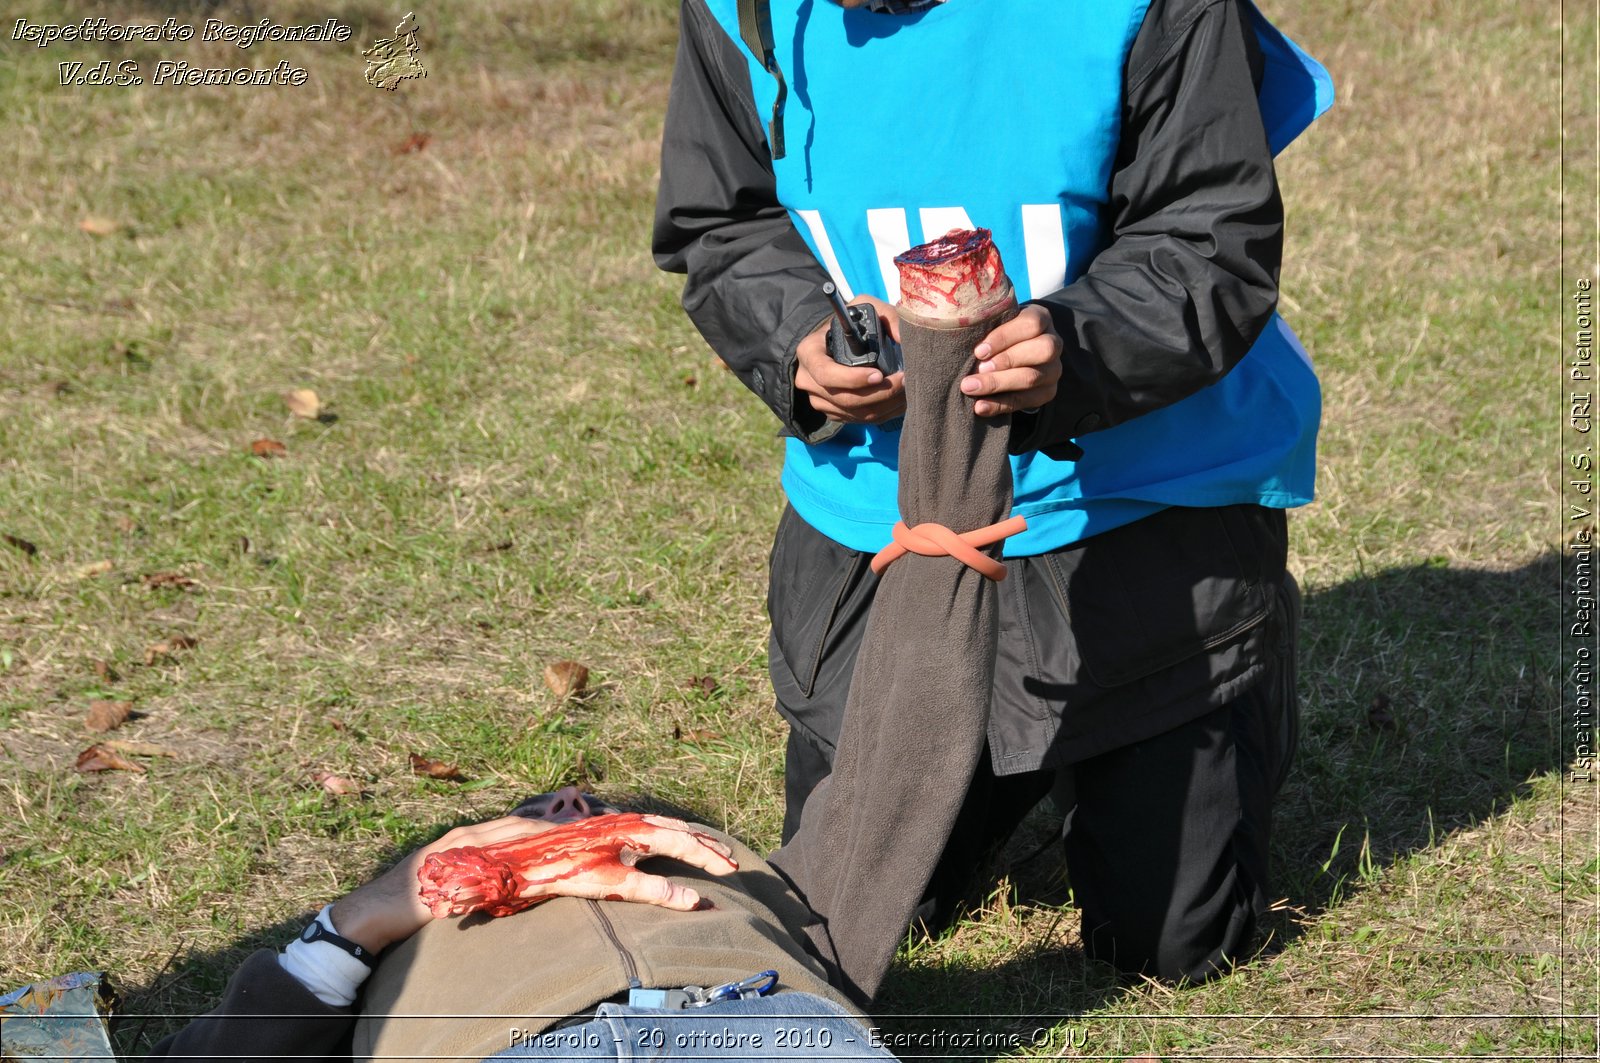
1429	700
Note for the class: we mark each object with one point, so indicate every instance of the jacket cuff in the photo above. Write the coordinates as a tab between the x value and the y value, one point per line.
1033	432
1073	412
802	422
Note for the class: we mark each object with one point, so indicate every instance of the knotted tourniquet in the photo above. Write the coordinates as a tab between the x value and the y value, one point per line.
918	708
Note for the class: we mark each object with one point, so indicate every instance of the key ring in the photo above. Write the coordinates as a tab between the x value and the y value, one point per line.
758	985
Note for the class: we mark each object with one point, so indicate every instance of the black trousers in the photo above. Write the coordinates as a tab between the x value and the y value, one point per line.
1166	833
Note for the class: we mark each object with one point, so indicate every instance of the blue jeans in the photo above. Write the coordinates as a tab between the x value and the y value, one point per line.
792	1026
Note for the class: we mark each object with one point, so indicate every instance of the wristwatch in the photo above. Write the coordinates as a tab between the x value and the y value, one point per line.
315	931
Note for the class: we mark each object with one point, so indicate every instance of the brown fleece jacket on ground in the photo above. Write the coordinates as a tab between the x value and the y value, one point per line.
456	988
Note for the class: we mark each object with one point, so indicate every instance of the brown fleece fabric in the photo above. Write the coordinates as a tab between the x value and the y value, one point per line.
455	988
918	708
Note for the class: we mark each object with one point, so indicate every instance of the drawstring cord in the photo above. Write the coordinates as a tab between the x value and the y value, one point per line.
935	540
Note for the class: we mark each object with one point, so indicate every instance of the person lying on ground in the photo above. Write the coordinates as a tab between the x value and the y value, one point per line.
608	965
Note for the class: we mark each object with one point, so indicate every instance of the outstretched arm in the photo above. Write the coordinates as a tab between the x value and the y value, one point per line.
591	858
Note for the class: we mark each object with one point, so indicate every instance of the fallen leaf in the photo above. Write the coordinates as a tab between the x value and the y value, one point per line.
415	142
435	769
105	672
698	736
1379	718
702	684
168	647
108	715
503	544
268	448
21	544
169	579
101	757
139	749
690	381
303	402
567	678
97	568
99	225
337	785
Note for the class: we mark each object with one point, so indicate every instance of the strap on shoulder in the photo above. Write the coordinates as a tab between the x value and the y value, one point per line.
755	28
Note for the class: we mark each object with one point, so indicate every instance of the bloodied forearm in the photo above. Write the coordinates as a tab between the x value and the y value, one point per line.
591	858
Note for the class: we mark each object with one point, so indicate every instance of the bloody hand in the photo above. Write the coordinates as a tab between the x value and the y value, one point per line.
591	858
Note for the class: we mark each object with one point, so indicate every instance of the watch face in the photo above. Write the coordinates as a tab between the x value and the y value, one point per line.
310	932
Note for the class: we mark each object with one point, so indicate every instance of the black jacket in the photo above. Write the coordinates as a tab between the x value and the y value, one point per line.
1187	282
1177	297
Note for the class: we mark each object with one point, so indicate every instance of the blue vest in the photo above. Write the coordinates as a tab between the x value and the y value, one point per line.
900	128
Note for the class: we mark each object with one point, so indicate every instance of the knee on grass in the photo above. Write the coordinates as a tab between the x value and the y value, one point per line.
1192	950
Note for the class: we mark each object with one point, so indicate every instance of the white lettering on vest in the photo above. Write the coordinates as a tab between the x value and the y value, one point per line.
889	238
1045	246
1043	238
830	261
936	221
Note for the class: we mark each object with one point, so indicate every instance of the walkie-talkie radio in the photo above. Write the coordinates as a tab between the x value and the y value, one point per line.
857	335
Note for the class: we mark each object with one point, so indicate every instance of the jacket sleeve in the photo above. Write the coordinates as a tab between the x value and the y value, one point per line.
753	286
1190	277
265	1014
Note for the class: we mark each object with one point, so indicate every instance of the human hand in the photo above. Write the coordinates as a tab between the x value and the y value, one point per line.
388	909
853	394
1019	365
591	858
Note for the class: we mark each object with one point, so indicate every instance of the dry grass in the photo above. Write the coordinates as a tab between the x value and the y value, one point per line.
534	458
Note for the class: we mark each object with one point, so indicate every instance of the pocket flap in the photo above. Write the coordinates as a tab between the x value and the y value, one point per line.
1155	592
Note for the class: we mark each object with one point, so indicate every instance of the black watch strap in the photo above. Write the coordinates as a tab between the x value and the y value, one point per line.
315	931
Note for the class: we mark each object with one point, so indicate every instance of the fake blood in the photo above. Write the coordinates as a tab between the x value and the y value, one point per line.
959	275
509	876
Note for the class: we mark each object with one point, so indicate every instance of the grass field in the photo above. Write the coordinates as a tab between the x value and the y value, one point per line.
526	455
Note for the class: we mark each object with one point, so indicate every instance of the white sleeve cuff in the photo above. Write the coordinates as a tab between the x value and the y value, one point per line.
331	974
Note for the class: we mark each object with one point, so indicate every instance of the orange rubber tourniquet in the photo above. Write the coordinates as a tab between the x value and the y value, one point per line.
935	540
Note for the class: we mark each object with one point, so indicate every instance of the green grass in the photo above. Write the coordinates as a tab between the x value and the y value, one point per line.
532	457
